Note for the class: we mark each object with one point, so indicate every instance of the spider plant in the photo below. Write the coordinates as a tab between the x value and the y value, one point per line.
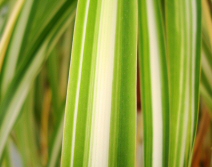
69	74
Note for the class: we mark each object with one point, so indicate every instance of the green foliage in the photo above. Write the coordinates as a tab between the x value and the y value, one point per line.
88	117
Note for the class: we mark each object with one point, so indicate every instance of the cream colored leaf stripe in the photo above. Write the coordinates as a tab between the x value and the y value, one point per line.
154	83
101	99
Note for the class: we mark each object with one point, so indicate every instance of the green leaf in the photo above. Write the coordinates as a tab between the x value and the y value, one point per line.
100	115
9	30
206	82
14	47
30	65
183	31
154	83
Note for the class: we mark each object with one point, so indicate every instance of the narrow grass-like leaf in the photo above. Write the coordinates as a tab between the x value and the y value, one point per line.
29	68
183	31
8	30
14	47
154	76
99	127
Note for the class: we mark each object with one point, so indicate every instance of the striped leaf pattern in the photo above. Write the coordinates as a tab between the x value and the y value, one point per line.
169	52
98	127
183	30
100	114
154	83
